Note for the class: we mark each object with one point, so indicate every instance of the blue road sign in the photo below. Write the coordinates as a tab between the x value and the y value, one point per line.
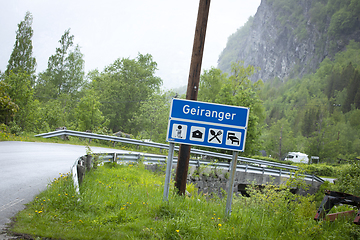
207	124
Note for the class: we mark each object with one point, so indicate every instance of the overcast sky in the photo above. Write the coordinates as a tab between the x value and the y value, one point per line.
110	29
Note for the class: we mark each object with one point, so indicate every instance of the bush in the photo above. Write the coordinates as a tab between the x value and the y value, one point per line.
349	179
15	129
4	128
321	170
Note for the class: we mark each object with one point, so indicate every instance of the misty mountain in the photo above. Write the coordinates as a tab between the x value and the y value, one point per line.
290	38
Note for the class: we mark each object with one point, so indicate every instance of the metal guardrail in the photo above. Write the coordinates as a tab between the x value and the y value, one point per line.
154	159
164	146
251	165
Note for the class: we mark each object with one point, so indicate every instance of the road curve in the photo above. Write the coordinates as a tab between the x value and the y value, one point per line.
27	167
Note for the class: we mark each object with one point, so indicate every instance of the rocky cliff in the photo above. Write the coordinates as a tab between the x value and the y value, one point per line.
288	38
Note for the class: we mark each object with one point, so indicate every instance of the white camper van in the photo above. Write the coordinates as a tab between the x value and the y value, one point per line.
297	157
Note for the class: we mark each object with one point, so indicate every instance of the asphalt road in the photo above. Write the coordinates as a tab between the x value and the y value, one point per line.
26	168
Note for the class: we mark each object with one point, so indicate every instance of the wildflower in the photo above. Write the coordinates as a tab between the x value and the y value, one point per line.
39	211
219	225
177	231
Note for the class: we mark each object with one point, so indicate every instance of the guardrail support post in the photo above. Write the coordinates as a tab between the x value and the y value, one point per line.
231	183
168	171
88	162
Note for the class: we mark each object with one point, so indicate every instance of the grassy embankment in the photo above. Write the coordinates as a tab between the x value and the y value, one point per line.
125	202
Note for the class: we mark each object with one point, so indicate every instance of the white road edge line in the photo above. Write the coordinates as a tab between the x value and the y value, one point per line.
10	204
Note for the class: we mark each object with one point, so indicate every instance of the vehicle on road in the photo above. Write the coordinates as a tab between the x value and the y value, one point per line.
297	157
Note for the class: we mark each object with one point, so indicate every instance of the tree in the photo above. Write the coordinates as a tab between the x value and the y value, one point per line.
65	72
210	84
238	90
21	93
7	107
21	58
59	87
87	111
122	88
153	116
310	122
50	115
279	139
352	92
19	77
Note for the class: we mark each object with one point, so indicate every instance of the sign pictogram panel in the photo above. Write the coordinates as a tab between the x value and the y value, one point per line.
207	124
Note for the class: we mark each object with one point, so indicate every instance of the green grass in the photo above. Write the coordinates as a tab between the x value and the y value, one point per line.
125	202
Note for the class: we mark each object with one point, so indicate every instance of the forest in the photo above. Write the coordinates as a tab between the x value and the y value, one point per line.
317	114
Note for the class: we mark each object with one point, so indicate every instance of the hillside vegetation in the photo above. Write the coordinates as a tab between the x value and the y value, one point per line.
317	114
307	55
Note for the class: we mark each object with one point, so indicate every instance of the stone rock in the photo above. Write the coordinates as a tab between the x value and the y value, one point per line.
275	45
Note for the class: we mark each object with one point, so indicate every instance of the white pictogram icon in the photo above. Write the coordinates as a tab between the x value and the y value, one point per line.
197	133
233	138
179	131
215	136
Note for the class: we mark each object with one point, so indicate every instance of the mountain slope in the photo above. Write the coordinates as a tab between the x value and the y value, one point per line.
290	38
